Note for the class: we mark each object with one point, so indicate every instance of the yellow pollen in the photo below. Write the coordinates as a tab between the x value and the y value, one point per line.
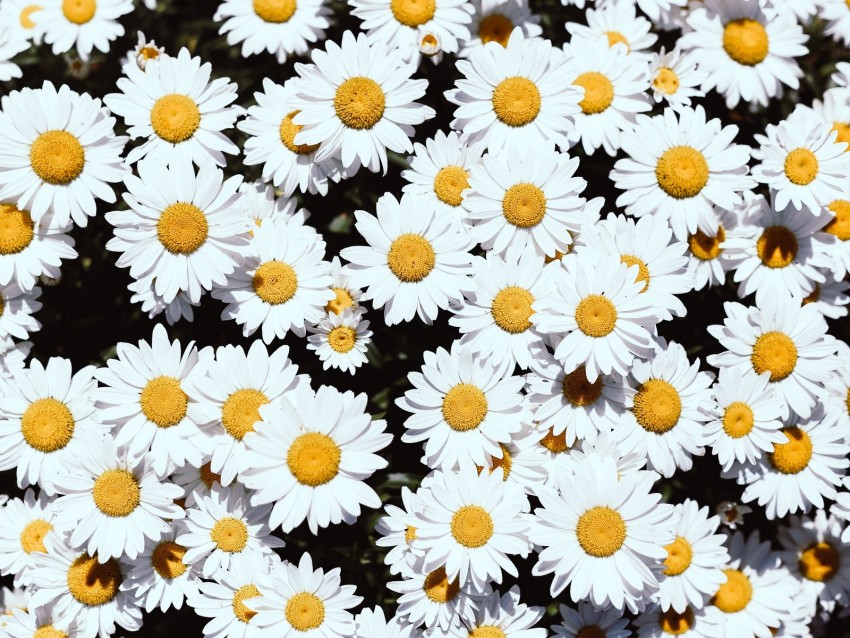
359	103
735	594
79	11
341	339
240	610
49	631
745	40
241	411
820	562
792	457
149	53
464	407
512	309
666	81
409	534
92	583
843	130
16	229
47	425
340	302
516	101
449	183
32	536
505	462
643	271
578	390
167	560
840	226
598	92
682	172
657	406
182	228
774	352
679	556
288	131
596	316
163	401
777	247
738	420
615	37
429	41
674	623
116	493
557	256
26	16
704	247
411	258
591	631
313	459
472	526
275	11
487	631
57	157
437	587
524	205
495	28
305	611
413	13
175	118
555	443
229	534
601	532
275	282
208	477
801	166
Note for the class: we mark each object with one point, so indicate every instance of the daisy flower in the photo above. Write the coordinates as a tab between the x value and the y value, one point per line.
346	296
503	615
12	42
514	96
12	600
181	307
260	203
522	460
311	459
22	17
463	407
180	230
836	254
780	337
341	340
23	525
16	308
271	142
744	53
59	153
833	110
619	24
602	541
707	260
397	531
357	101
38	622
195	481
679	167
837	400
222	527
655	623
837	16
46	412
495	20
372	623
415	263
144	51
606	623
614	85
177	110
830	298
84	24
281	27
559	458
432	599
674	78
597	303
732	514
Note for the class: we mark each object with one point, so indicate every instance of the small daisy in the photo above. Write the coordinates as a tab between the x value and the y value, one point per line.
679	167
619	24
675	78
836	253
59	153
655	623
16	308
602	622
23	525
522	460
144	51
175	108
195	481
836	13
260	204
559	458
181	307
346	296
432	599
830	299
372	623
503	616
495	20
84	24
732	514
415	263
397	531
708	263
22	17
341	340
833	110
39	623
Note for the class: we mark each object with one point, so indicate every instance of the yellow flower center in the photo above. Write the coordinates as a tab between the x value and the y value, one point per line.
657	406
182	228
208	477
288	131
464	407
555	443
275	282
32	536
813	296
167	560
229	534
26	16
777	247
512	309
305	611
495	28
801	166
411	258
116	493
359	103
682	172
449	183
505	462
487	631
643	271
735	594
524	205
275	11
793	456
843	130
596	316
47	425
578	390
79	11
666	81
342	338
409	534
49	631
92	583
16	229
340	302
516	101
149	53
704	247
57	157
241	411
163	401
437	587
598	92
313	459
840	226
240	610
745	40
472	526
601	532
175	118
738	420
774	352
413	13
820	562
674	623
679	556
615	37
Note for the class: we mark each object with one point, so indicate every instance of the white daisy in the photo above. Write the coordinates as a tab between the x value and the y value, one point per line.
341	340
707	260
830	299
495	20
38	622
522	460
372	623
502	616
345	295
195	481
12	41
144	51
181	307
602	622
619	24
675	78
732	514
837	16
430	598
260	203
22	17
84	24
834	109
397	531
837	400
836	253
23	525
16	308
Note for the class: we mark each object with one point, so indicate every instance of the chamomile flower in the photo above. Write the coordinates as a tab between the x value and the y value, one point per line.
732	514
180	230
398	530
674	78
619	24
177	110
837	17
22	16
514	96
416	262
833	110
357	101
372	623
260	203
744	53
503	615
495	20
708	263
23	525
311	458
181	307
462	407
144	51
82	24
679	166
606	622
837	252
559	458
346	296
195	481
281	27
16	308
522	460
66	161
18	623
341	340
601	542
432	599
830	299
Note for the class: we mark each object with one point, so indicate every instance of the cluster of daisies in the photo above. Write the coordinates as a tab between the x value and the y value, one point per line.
173	473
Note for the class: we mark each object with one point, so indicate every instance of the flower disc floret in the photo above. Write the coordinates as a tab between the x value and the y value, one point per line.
682	172
229	534
182	228
92	583
47	425
116	493
413	13
472	526
57	157
241	410
801	166
820	562
411	258
774	352
79	11
512	309
516	101
735	594
359	103
598	92
746	41
601	532
524	205
679	557
275	11
16	229
793	456
449	184
175	118
275	282
657	406
596	316
163	401
167	560
464	407
305	611
313	459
